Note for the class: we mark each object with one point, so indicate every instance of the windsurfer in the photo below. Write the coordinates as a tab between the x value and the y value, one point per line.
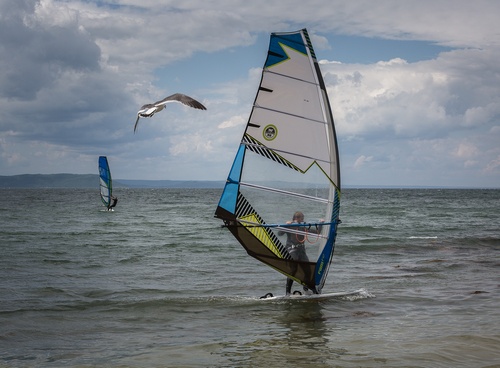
112	204
296	248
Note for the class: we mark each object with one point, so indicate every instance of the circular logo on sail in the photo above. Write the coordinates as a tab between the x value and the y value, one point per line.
270	132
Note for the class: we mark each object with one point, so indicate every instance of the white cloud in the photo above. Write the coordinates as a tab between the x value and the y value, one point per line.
192	143
48	15
437	112
362	160
466	150
493	166
233	121
482	114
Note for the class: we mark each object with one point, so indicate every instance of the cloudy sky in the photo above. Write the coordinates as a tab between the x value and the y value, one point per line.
414	85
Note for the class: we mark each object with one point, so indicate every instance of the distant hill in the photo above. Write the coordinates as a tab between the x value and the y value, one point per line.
92	181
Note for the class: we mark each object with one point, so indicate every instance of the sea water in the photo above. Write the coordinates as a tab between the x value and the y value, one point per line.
159	283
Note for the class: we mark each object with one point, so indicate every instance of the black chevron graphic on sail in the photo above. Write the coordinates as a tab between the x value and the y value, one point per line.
255	146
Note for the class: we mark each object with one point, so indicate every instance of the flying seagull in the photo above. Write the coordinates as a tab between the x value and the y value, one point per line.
149	110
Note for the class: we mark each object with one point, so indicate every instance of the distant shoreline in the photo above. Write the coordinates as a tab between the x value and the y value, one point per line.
92	181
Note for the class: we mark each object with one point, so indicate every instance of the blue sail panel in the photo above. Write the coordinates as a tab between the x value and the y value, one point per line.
230	194
277	53
324	261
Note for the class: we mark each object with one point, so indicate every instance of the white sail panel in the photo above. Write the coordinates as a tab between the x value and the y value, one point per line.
290	97
300	141
296	64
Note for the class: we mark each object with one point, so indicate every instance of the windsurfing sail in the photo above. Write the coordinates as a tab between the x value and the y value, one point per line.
287	161
105	182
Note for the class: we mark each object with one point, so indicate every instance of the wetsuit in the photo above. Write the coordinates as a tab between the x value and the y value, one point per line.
115	200
297	250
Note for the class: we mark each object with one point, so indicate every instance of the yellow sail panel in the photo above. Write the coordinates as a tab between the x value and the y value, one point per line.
260	233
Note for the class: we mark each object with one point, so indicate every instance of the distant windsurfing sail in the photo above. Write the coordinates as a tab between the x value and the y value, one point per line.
105	181
287	161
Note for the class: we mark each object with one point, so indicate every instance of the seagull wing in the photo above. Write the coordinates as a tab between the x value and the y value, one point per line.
179	97
136	122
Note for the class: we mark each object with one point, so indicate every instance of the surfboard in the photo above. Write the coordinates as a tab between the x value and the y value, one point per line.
270	296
